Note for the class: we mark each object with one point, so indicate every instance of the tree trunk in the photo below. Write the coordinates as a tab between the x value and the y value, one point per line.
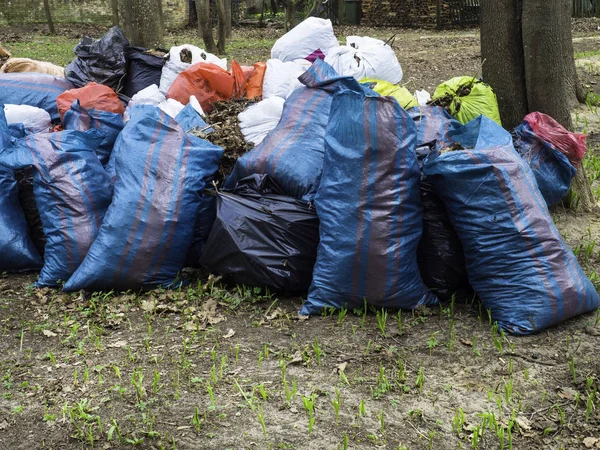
228	18
204	26
341	12
549	68
142	24
115	12
192	16
289	7
222	26
161	16
502	57
49	17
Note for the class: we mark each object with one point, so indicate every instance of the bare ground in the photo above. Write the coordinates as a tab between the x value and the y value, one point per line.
201	368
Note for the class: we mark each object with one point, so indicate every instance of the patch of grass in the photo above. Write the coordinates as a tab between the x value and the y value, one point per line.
580	55
55	49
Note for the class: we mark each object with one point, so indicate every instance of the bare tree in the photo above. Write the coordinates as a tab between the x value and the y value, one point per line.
115	12
205	26
527	53
49	16
290	8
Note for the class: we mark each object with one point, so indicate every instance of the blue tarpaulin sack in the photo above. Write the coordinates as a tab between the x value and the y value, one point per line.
160	173
433	125
369	209
263	238
109	123
33	89
72	192
518	263
292	154
17	251
552	170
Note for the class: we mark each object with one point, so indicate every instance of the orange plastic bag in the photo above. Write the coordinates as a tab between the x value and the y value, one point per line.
207	82
92	95
255	83
248	80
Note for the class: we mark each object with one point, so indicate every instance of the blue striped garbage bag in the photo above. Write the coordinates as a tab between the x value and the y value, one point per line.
433	125
292	153
17	251
72	192
33	89
82	119
517	262
552	170
369	208
160	173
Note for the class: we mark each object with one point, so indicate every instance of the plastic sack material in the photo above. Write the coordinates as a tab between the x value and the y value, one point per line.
302	40
31	65
572	145
281	78
33	89
207	82
72	192
258	120
174	64
386	89
433	126
17	250
143	69
188	118
423	97
93	95
517	261
32	214
262	237
467	98
292	154
146	233
34	120
207	213
248	81
16	247
552	170
365	57
101	61
369	209
254	88
82	119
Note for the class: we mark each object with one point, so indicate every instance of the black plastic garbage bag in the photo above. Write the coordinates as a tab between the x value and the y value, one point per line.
102	61
440	254
143	70
24	179
262	237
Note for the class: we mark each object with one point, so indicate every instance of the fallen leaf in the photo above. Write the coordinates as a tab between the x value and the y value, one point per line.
593	331
465	342
297	358
301	317
229	334
148	305
340	368
275	314
590	442
117	344
524	423
48	333
3	425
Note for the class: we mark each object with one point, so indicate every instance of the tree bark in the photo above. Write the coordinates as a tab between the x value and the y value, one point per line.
115	12
228	18
143	23
204	26
503	59
222	26
290	7
192	16
341	12
49	16
549	77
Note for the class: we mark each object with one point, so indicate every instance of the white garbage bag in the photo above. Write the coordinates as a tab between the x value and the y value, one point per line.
152	96
365	57
35	120
305	38
257	121
281	78
174	65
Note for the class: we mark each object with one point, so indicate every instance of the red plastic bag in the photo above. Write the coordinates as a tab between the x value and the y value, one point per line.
207	82
572	145
92	95
255	83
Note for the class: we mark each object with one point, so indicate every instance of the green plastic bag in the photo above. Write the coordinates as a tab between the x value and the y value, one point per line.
387	89
466	98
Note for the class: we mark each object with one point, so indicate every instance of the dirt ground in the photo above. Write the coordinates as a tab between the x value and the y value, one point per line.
214	368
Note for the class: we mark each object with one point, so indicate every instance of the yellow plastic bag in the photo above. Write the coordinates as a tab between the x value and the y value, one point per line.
387	89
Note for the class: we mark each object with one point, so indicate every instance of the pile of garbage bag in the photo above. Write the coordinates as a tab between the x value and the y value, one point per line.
314	173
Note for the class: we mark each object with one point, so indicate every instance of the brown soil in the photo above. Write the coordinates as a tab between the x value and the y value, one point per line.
70	363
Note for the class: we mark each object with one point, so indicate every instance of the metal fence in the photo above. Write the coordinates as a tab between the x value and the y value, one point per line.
464	12
585	8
